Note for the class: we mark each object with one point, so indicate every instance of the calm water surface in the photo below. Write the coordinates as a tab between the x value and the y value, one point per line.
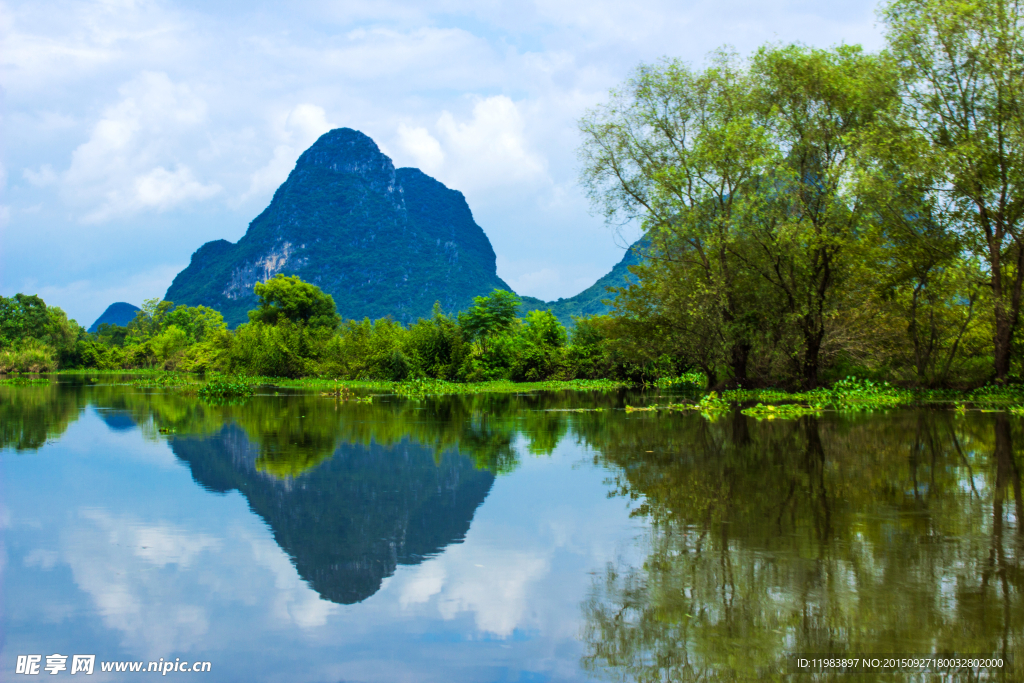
499	538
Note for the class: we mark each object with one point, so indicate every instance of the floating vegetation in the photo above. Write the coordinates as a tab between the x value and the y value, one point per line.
711	406
17	381
786	411
167	380
341	393
712	403
695	381
226	388
849	394
998	393
741	395
437	387
853	394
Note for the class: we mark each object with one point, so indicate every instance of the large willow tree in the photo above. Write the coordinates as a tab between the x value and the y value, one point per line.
742	175
673	150
962	77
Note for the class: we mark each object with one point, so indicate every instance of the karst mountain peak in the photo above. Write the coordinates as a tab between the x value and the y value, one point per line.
382	241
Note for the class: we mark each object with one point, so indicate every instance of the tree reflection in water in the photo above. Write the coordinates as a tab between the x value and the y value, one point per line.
897	533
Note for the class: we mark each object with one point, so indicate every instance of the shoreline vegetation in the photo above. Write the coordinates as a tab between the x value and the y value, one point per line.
684	394
296	341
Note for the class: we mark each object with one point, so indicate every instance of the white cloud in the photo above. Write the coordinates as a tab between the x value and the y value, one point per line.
300	128
109	557
121	169
293	601
424	148
133	568
162	189
490	149
41	178
496	590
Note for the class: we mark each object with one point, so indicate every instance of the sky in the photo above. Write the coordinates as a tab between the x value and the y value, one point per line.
134	131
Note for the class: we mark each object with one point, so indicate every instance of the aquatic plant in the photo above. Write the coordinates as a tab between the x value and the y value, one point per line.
711	403
688	380
786	411
226	388
23	381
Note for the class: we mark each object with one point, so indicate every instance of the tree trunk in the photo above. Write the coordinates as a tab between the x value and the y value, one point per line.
812	353
1003	340
1007	305
738	363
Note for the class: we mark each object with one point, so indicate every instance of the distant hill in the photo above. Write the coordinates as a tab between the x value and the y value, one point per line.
590	300
120	313
381	241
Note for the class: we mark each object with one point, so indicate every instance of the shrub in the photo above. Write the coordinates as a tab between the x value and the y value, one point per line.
29	355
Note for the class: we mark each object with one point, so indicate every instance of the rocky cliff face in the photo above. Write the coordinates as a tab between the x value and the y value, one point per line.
382	241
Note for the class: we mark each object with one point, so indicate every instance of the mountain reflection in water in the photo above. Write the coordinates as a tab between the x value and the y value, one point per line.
348	522
896	532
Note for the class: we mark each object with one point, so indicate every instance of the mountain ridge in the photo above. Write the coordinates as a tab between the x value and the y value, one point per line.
384	242
381	241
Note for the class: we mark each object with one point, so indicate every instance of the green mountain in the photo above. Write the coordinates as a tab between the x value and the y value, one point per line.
381	241
119	313
591	300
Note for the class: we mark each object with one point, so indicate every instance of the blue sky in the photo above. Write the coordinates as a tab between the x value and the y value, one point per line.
133	131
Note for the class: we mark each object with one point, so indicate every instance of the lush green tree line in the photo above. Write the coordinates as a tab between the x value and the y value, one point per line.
296	332
814	212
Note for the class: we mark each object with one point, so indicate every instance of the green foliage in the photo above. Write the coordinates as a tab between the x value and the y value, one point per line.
688	380
282	350
225	388
22	316
289	298
35	337
961	83
29	355
786	411
794	223
490	315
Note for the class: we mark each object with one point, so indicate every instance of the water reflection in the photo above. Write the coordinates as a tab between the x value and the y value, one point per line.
348	523
886	533
881	534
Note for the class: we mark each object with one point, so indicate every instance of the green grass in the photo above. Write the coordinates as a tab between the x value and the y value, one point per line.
436	387
20	381
421	387
847	395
